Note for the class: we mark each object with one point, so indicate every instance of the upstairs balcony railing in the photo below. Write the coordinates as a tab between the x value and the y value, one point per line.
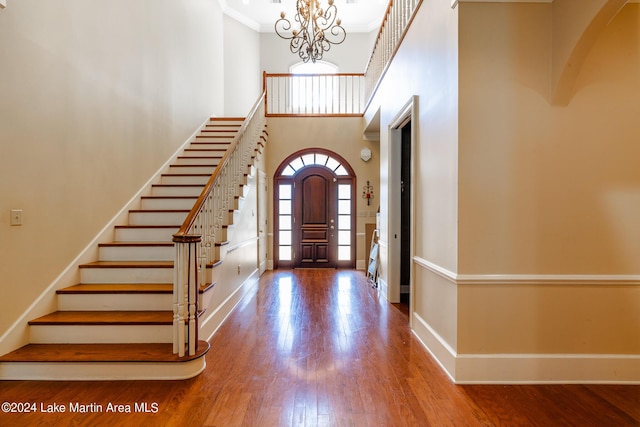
340	94
395	23
314	94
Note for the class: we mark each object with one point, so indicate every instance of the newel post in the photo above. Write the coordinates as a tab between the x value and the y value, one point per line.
185	293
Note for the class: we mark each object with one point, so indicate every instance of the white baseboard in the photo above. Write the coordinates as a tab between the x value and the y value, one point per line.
547	369
441	351
527	368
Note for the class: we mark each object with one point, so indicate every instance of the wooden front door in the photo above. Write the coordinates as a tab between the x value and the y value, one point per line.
315	215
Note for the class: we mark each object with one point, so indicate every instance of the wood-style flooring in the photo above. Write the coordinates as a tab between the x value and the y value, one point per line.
317	348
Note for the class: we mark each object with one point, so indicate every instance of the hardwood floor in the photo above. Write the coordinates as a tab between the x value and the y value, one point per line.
318	348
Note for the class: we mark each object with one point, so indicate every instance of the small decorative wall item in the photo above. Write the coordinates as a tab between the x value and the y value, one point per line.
367	193
365	154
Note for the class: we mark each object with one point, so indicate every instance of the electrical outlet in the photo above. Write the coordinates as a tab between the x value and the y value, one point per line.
16	216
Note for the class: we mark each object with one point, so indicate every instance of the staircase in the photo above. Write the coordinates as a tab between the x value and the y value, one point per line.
117	322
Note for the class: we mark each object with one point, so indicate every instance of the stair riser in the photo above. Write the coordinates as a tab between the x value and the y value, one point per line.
185	179
101	371
220	145
126	275
192	160
206	169
219	134
145	234
156	218
100	334
168	204
212	138
204	152
226	129
137	253
189	190
114	302
224	124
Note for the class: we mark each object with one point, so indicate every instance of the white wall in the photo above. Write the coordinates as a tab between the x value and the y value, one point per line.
242	73
351	56
94	97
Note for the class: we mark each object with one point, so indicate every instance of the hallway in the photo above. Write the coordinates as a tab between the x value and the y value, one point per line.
320	347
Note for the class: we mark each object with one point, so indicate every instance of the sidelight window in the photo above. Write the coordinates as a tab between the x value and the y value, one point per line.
344	222
285	226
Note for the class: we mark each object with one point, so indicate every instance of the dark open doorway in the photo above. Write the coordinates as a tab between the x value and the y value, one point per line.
405	214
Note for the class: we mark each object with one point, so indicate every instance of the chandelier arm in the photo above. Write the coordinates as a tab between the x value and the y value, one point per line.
318	29
283	25
325	20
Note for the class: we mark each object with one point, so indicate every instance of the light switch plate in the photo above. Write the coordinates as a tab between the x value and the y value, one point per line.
16	216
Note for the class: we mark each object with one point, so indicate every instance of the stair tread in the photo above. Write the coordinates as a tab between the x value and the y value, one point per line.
206	150
159	210
169	175
118	288
161	352
128	264
148	226
105	318
200	157
191	165
135	244
170	197
178	185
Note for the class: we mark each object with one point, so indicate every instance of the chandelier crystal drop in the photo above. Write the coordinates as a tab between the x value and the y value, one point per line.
318	29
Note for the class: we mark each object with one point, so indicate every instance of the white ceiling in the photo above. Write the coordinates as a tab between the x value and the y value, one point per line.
261	15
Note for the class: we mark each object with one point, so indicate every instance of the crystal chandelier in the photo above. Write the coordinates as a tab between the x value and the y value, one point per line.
318	29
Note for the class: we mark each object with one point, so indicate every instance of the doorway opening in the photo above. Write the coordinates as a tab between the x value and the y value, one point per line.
402	140
314	206
405	213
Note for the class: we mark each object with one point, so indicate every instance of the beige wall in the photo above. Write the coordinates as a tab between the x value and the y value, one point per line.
548	190
425	67
94	98
340	135
549	237
526	235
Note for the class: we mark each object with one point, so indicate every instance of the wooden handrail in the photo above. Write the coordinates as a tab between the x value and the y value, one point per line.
197	207
202	230
382	25
313	75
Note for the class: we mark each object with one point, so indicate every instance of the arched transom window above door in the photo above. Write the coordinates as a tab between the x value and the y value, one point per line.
314	159
314	211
